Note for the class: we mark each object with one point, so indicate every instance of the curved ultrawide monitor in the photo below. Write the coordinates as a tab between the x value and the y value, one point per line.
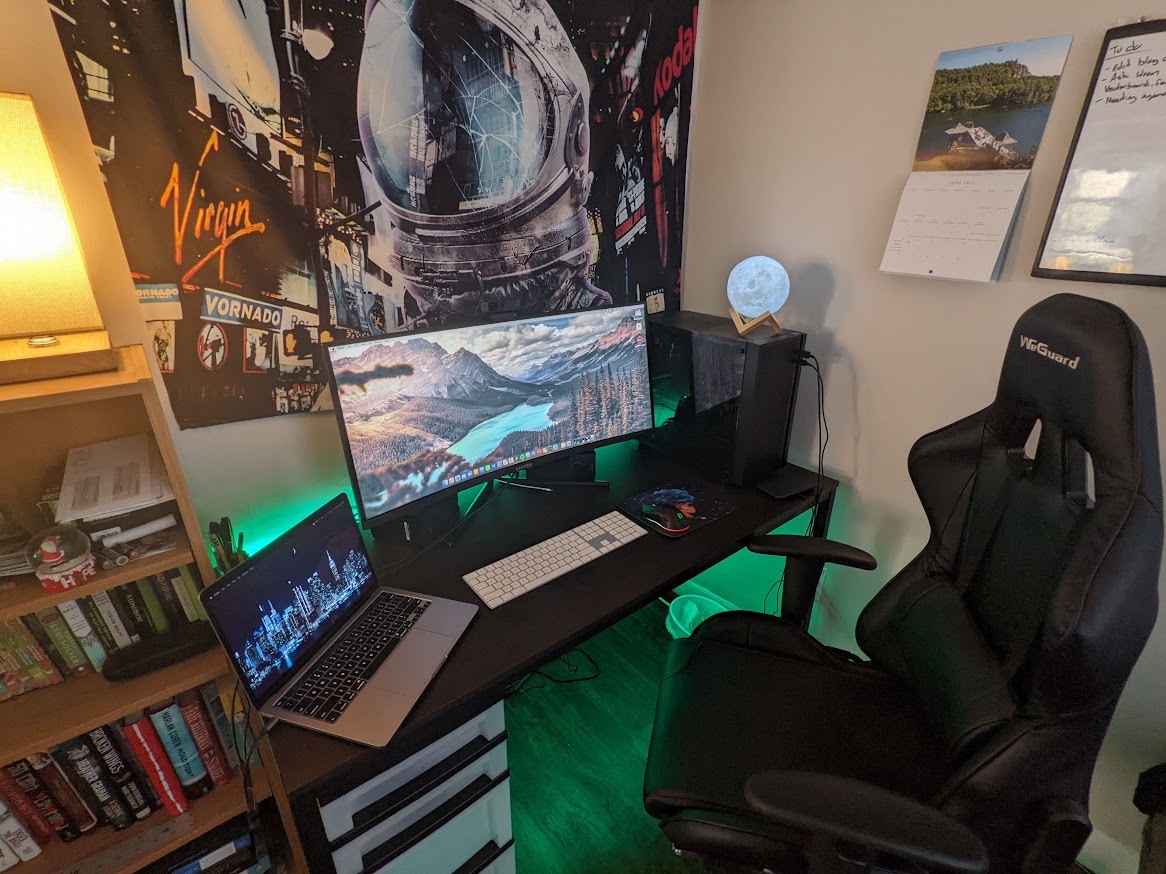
427	412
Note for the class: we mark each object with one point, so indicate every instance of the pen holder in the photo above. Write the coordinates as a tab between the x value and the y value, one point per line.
225	548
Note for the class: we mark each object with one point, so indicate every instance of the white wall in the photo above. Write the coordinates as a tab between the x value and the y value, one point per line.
807	114
263	471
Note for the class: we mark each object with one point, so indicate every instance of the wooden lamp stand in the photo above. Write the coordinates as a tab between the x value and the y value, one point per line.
744	326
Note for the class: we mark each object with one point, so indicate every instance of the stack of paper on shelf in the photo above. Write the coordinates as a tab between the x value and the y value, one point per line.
118	493
13	539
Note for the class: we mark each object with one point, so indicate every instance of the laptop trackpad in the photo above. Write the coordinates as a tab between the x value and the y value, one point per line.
413	663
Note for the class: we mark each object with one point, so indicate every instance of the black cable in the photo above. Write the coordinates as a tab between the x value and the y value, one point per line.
254	825
823	439
778	584
444	537
809	360
520	688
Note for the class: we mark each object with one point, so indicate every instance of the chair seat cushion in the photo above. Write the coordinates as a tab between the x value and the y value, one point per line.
834	718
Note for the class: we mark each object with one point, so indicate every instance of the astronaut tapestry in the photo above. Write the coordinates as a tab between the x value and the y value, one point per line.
426	412
285	174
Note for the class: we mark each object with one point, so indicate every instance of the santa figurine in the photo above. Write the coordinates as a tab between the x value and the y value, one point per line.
62	558
50	551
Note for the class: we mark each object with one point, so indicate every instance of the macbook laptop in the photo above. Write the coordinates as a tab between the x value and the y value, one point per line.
317	642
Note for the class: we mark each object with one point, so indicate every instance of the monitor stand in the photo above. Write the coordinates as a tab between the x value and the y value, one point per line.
443	521
424	527
576	469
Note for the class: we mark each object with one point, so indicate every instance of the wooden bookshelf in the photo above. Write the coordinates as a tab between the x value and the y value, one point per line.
42	718
39	423
27	596
105	851
131	372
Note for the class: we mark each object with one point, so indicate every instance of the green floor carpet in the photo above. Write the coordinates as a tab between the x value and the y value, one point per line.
577	753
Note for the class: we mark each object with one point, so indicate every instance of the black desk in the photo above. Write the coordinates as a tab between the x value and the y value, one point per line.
503	645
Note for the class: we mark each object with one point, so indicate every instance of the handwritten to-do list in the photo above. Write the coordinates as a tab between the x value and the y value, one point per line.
1111	214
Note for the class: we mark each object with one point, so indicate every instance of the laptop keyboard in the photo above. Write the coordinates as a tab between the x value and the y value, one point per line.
326	692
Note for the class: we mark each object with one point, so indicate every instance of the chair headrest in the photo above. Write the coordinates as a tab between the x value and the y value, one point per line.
1081	364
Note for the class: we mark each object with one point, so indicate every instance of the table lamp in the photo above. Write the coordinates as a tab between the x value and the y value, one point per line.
49	322
758	287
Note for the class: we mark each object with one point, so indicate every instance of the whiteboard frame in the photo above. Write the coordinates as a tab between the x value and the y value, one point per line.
1114	33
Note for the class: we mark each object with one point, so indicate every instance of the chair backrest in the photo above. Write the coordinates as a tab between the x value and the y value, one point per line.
1019	624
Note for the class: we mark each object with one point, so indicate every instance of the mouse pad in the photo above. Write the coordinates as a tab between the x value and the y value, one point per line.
697	508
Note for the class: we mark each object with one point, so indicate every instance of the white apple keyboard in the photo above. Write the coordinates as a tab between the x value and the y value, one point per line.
507	578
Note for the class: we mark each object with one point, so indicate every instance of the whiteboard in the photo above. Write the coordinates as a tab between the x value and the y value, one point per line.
1108	222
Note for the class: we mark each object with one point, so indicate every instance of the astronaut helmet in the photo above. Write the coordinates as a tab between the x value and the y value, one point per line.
473	117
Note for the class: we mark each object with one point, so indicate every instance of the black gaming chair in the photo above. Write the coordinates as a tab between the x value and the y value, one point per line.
968	740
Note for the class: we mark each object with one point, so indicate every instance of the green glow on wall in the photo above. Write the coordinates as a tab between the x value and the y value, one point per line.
663	405
268	521
745	578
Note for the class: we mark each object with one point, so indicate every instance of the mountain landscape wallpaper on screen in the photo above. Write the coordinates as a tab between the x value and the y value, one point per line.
427	411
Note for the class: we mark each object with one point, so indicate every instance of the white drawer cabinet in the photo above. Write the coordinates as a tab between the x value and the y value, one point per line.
451	843
357	807
442	810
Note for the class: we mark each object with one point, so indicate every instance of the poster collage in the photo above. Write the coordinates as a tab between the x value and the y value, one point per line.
284	174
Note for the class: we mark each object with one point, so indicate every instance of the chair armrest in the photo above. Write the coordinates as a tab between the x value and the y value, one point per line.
812	548
738	838
770	634
862	815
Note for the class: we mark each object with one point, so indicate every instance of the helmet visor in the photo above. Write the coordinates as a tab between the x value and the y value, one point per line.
453	113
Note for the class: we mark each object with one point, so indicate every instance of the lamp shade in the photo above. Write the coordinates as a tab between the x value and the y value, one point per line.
44	288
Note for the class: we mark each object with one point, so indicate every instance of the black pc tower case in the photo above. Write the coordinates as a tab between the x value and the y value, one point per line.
724	402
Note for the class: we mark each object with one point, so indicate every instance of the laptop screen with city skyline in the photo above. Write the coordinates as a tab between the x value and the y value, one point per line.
275	611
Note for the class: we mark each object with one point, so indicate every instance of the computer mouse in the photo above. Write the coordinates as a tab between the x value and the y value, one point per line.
665	516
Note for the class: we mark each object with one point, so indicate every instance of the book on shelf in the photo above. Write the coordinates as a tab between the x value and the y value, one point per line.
34	652
224	728
172	608
122	637
84	769
18	838
178	584
35	790
234	856
132	795
205	740
151	755
8	858
122	741
233	706
24	665
225	849
63	792
98	624
24	807
190	580
154	610
15	678
127	600
90	643
181	749
32	626
64	640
